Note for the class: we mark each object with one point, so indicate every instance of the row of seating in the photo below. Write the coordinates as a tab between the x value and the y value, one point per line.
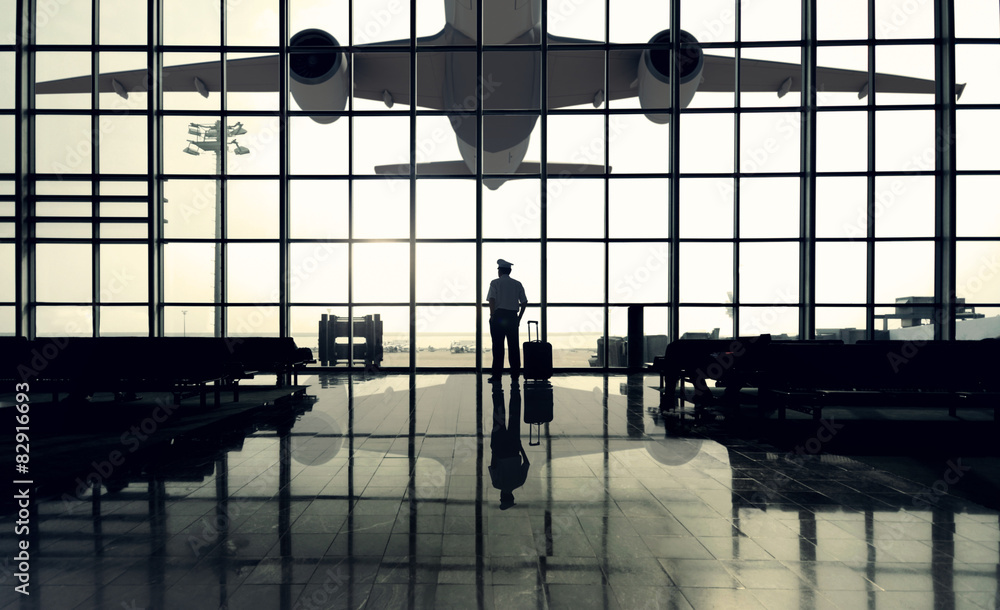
82	366
809	375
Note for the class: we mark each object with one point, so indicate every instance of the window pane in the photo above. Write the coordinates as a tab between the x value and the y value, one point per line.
514	210
978	216
381	273
705	320
381	209
7	321
769	273
124	273
638	208
762	21
63	272
446	273
7	286
190	209
905	60
903	269
116	12
894	19
978	271
841	272
769	207
626	28
180	28
638	272
830	21
252	321
63	23
380	141
252	22
769	142
706	273
573	333
779	322
64	322
188	135
706	207
252	210
62	144
637	146
189	273
970	62
395	333
318	209
307	136
707	142
977	19
304	323
842	207
904	206
257	151
123	145
575	208
841	141
318	273
252	273
846	324
567	262
190	321
7	153
575	140
124	321
710	20
978	133
446	336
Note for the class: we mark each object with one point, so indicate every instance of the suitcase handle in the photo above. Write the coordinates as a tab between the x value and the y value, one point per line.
538	332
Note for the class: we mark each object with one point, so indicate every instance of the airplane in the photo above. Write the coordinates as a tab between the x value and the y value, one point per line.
320	81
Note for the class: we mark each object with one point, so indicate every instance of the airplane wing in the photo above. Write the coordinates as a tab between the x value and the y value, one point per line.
577	76
375	73
780	77
254	74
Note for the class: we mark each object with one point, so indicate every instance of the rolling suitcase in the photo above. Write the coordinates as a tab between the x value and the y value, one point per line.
537	356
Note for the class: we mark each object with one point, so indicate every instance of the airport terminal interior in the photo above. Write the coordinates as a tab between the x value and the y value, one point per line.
245	344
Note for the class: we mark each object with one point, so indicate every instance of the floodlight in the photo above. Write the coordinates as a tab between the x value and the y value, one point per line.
240	150
194	130
237	130
191	151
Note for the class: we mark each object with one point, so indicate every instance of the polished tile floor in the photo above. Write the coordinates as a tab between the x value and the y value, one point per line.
386	493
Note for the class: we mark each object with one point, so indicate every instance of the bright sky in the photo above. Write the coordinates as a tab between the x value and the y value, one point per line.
445	272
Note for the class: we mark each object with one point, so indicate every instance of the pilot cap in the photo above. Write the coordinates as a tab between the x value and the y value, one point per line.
503	264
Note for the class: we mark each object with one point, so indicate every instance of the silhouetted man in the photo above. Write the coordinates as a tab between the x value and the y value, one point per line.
507	305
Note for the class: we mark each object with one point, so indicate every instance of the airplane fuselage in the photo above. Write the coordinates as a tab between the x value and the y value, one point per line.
510	81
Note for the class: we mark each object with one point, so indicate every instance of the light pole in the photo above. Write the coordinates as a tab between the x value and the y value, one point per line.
184	311
210	139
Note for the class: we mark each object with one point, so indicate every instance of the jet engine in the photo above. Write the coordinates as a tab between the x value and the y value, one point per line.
319	80
654	74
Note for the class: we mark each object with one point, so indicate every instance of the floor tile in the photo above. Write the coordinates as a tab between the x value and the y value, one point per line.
610	514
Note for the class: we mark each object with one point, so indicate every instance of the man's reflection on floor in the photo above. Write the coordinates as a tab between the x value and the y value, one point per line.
508	463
